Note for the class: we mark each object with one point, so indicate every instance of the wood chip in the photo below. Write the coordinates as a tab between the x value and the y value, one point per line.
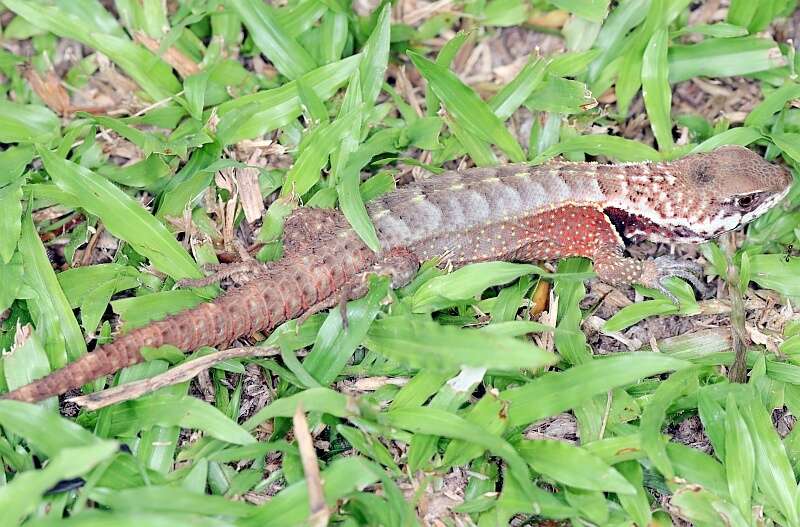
250	193
308	455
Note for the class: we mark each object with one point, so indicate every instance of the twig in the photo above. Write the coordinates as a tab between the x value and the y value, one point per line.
316	497
181	373
738	370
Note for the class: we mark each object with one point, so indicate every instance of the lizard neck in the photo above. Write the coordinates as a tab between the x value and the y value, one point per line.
649	201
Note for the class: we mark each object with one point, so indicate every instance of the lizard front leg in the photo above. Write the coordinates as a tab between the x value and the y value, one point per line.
586	231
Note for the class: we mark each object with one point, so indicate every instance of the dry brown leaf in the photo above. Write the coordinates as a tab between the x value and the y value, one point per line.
48	88
185	66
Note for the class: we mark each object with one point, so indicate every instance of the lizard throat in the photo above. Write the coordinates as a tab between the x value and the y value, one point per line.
636	228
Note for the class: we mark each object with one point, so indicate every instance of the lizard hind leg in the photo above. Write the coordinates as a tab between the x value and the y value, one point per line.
399	265
241	272
615	269
306	229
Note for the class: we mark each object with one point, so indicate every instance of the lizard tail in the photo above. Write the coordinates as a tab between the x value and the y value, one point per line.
286	290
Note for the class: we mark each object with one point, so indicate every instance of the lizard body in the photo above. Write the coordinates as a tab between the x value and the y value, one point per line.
511	212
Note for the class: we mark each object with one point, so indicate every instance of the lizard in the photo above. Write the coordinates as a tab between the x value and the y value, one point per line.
514	212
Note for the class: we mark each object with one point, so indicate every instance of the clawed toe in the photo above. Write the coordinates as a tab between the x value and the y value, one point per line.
667	267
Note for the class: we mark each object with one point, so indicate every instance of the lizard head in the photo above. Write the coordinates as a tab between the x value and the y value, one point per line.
696	198
729	187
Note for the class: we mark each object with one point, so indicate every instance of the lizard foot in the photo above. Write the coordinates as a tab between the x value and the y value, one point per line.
219	272
656	271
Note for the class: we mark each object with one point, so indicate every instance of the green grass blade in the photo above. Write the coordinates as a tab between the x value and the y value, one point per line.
123	216
723	57
656	90
254	115
425	344
553	393
27	123
467	108
53	315
573	466
24	494
289	57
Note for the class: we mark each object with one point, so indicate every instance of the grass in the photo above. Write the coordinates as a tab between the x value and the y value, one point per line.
140	143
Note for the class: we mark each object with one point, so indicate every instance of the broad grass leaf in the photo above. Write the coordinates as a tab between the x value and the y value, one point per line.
712	416
91	288
723	57
772	104
335	345
719	30
739	458
634	313
612	147
99	518
680	383
516	92
188	185
51	311
423	343
10	281
323	400
79	283
559	95
333	36
553	393
594	10
697	467
13	161
123	216
163	498
289	57
616	28
772	271
432	421
742	136
10	219
420	388
375	57
572	63
26	363
254	115
147	69
46	431
774	475
705	509
340	479
479	149
466	283
638	505
465	107
136	311
656	90
22	495
183	411
789	143
316	149
573	466
27	123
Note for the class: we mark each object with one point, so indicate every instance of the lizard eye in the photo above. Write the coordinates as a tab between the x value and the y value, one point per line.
745	202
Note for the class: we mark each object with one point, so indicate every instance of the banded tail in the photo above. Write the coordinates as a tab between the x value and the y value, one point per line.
286	289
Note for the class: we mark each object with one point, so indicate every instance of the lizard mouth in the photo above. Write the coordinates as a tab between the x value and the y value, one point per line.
636	227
